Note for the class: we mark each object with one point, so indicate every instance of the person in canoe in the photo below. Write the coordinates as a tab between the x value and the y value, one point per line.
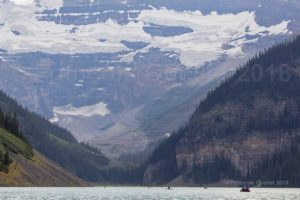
245	189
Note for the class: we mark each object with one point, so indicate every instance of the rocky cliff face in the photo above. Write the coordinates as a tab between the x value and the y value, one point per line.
244	148
111	71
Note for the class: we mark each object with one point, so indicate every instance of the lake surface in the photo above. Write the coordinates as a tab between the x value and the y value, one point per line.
144	193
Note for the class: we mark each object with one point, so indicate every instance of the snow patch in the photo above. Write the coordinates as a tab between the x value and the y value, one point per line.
85	111
110	68
167	135
55	119
210	33
23	2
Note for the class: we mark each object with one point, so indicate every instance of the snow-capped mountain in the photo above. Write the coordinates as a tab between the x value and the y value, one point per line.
119	73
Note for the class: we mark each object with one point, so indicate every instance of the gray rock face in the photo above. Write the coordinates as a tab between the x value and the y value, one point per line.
122	74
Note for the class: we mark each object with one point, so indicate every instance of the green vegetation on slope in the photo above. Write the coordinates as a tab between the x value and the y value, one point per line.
37	172
11	124
14	141
11	143
21	166
56	143
5	160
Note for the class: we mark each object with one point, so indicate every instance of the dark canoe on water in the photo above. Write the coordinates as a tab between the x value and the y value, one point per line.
245	190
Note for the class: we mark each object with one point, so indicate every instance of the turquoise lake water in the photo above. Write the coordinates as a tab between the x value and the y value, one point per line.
144	193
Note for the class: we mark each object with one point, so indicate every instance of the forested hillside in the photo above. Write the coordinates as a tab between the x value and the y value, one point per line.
247	128
20	165
12	140
54	142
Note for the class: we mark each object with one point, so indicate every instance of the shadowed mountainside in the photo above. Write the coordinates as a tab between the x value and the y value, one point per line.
248	128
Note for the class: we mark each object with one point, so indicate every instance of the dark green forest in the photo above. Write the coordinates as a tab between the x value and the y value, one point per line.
10	123
273	75
52	141
274	72
12	140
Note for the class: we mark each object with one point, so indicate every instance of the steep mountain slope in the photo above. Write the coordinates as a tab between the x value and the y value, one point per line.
56	143
100	68
27	168
248	128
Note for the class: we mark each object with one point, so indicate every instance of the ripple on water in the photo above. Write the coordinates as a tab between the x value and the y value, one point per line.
143	193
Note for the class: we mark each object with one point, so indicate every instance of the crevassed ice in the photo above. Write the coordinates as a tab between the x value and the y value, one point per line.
210	33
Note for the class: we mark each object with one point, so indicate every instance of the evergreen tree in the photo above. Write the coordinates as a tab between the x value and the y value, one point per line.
6	160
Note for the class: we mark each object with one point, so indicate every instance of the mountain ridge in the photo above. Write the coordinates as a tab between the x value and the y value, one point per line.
128	57
244	127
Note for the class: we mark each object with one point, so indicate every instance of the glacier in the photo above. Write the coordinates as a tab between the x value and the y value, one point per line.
205	43
121	74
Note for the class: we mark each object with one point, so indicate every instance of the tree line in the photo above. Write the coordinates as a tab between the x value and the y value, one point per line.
10	123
